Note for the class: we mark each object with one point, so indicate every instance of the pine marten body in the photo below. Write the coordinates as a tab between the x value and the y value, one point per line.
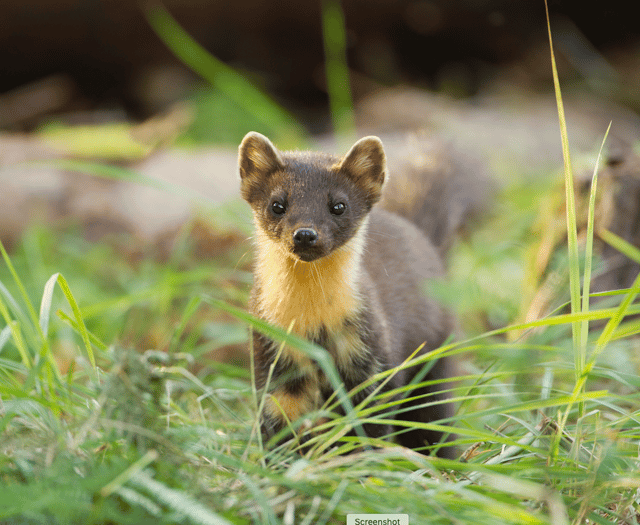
343	274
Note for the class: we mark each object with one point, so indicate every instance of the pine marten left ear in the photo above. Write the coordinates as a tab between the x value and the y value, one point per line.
366	165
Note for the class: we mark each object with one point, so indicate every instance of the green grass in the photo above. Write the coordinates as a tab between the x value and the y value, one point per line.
118	405
337	72
147	435
170	436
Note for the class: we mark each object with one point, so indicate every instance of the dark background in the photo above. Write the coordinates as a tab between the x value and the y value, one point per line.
103	55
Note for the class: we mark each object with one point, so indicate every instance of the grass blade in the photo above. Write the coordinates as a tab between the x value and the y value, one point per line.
45	304
73	324
128	473
572	230
18	281
617	317
626	330
64	286
189	311
179	501
620	244
588	256
625	306
18	312
19	341
337	70
222	77
45	312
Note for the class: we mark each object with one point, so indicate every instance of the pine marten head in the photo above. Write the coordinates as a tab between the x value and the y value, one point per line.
310	204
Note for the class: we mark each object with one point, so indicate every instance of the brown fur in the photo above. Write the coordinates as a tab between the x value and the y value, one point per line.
341	273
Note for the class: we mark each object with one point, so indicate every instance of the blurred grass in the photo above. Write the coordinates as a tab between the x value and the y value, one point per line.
153	434
111	141
337	72
269	117
163	427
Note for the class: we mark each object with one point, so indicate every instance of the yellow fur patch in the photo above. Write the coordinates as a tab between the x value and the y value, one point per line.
348	344
311	295
292	406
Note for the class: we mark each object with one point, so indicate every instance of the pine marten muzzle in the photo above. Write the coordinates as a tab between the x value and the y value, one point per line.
341	273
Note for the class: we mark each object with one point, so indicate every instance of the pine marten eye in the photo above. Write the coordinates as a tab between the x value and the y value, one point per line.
338	208
278	208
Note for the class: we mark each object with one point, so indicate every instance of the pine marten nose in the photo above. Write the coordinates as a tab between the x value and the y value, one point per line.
305	237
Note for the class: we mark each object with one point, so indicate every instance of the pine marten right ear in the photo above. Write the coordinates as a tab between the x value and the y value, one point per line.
257	159
366	165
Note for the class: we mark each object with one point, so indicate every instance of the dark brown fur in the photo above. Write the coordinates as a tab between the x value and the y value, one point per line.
351	281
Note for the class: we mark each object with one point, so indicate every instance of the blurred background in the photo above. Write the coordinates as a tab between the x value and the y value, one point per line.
80	61
119	127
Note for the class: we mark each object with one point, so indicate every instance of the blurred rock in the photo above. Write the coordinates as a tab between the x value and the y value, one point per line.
505	131
24	106
34	188
623	166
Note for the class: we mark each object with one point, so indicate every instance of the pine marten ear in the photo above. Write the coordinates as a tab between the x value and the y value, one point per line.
366	165
257	159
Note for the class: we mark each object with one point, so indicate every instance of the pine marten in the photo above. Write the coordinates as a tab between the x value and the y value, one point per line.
344	274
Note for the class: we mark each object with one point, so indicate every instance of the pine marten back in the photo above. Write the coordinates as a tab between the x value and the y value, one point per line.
342	273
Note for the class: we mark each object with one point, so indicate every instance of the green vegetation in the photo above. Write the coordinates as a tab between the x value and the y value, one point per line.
231	91
126	392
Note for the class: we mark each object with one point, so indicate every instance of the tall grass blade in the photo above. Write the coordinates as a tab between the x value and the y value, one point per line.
189	311
64	286
222	77
610	330
37	323
13	305
614	321
45	304
45	312
626	330
572	230
625	307
620	244
337	71
18	281
16	333
554	320
128	473
588	256
73	324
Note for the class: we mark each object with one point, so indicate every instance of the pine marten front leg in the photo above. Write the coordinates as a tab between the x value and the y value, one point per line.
292	390
298	387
